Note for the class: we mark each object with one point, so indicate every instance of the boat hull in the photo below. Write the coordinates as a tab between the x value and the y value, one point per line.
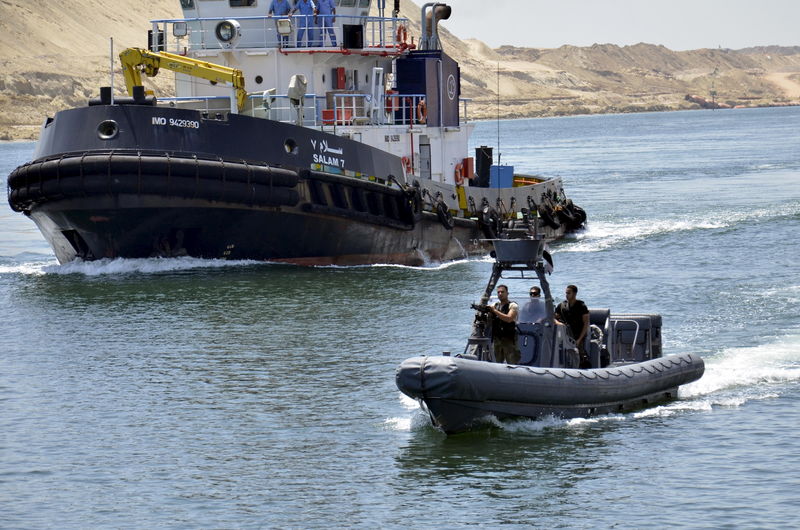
461	394
174	182
130	226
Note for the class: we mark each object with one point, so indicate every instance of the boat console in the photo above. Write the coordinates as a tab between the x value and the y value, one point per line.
614	339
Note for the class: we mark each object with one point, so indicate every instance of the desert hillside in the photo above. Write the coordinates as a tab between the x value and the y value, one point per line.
54	57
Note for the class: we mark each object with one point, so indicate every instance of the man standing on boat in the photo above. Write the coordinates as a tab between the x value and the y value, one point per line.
575	315
504	328
326	9
306	22
280	8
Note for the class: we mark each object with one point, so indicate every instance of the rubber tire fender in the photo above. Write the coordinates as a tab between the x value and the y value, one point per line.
444	215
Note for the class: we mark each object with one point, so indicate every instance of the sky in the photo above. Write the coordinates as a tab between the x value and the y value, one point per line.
677	24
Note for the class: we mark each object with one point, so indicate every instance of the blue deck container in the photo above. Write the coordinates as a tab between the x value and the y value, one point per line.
501	176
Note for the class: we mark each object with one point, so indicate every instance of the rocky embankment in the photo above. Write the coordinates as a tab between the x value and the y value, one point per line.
54	57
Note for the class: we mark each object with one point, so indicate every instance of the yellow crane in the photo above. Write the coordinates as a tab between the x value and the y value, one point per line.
137	60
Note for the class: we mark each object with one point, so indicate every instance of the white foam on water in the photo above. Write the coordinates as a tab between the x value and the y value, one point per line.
408	403
415	420
735	377
554	422
601	235
32	268
122	266
428	266
400	423
754	371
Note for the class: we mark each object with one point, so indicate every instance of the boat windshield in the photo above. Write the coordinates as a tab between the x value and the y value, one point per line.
532	311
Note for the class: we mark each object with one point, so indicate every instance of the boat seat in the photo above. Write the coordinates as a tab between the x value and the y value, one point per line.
625	332
602	319
528	338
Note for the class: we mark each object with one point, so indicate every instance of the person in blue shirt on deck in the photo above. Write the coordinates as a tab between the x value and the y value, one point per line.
280	8
326	9
306	22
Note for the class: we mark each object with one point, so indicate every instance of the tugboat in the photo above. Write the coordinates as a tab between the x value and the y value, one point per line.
627	370
314	139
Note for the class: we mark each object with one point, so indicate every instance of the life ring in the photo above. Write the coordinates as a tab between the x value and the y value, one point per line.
459	174
422	111
406	164
402	35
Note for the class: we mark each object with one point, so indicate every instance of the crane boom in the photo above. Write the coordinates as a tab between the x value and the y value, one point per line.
137	60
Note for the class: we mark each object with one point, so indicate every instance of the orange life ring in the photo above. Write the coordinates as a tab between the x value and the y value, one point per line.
422	111
459	174
402	35
406	164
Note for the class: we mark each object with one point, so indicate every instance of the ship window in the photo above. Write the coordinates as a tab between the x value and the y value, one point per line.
347	3
259	79
187	4
363	3
242	3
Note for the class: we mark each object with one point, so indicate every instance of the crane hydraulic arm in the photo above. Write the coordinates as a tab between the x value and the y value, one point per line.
137	60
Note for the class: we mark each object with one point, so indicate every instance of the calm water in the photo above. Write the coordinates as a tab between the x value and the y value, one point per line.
200	394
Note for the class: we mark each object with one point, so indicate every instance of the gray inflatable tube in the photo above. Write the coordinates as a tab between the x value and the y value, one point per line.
461	392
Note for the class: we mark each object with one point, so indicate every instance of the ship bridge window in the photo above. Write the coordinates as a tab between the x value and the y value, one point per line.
187	4
242	3
363	3
346	3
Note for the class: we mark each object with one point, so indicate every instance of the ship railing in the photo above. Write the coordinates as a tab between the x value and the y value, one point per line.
279	107
385	109
336	109
182	36
209	104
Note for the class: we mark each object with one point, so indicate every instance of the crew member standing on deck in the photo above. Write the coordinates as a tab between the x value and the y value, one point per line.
326	9
305	24
575	315
280	8
504	328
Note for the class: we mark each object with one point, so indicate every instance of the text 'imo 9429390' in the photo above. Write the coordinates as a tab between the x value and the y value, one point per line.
348	146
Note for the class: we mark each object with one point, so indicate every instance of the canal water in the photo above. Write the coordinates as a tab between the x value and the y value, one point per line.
189	393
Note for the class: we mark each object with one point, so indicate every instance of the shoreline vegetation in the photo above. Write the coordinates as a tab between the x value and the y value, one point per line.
532	82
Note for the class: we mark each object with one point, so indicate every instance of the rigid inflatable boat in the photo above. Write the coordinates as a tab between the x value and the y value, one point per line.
627	370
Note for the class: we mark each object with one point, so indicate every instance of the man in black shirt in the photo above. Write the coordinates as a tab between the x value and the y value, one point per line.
575	315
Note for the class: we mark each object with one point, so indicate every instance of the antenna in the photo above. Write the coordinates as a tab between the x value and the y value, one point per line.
498	113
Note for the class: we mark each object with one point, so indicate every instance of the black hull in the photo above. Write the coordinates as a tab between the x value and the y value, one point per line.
457	416
238	188
142	227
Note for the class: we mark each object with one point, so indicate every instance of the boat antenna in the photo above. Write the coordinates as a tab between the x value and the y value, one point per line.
111	60
498	114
